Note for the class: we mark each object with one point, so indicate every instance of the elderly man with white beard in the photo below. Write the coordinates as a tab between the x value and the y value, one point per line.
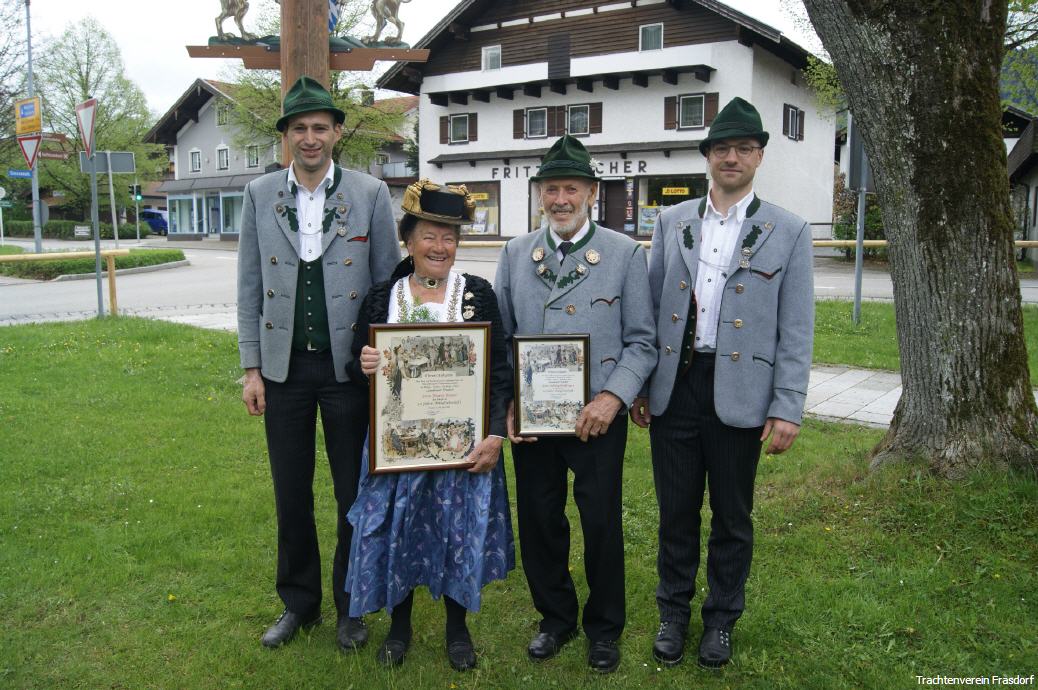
577	277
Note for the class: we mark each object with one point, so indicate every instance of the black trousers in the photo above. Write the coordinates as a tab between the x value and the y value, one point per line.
691	449
291	425
541	488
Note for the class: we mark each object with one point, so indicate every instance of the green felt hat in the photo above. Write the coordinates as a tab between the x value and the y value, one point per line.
737	119
307	96
566	158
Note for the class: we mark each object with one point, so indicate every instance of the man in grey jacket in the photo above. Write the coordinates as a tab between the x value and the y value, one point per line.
314	237
733	297
577	277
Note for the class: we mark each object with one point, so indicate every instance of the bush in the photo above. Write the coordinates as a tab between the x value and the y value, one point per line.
48	270
845	222
65	229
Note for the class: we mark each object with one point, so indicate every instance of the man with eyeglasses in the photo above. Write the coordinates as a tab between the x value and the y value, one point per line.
733	297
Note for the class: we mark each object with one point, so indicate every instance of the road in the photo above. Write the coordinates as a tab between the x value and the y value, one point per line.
203	293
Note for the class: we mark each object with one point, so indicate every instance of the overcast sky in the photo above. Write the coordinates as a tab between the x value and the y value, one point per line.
153	40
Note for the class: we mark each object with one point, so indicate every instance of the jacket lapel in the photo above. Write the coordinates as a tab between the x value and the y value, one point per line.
755	231
689	233
336	210
574	270
286	213
543	261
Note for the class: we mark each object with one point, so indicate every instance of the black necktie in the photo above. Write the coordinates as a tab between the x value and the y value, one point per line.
564	247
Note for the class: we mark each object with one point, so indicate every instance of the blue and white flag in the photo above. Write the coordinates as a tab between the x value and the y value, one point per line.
333	15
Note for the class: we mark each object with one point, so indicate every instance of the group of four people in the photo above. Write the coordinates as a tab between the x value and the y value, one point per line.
708	343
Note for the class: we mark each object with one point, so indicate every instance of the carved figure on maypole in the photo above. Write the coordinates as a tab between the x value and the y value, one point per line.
237	10
386	12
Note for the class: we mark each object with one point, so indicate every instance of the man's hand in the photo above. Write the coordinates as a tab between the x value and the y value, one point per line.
511	427
640	412
369	360
597	415
782	434
485	454
253	393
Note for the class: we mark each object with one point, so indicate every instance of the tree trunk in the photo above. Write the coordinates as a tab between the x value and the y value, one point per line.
922	81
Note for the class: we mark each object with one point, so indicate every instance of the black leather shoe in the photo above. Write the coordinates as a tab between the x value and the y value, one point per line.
351	633
603	656
461	654
286	627
669	647
715	647
392	652
546	645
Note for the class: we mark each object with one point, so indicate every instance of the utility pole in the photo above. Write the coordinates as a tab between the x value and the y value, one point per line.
37	230
137	207
111	200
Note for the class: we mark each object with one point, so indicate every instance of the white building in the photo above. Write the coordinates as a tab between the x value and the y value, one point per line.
639	81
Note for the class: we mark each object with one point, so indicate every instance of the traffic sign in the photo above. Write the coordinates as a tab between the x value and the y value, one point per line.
122	162
55	155
27	116
85	112
20	174
30	145
5	203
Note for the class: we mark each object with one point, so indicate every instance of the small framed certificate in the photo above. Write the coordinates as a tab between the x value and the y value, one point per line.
552	383
430	397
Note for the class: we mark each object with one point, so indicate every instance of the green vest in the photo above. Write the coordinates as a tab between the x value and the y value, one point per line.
311	321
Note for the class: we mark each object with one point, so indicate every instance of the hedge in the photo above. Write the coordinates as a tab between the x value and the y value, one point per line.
65	229
48	270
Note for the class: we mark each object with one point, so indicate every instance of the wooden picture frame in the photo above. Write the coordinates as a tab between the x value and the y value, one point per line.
430	399
552	382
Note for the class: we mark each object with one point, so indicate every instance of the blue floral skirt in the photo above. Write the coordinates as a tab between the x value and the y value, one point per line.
449	530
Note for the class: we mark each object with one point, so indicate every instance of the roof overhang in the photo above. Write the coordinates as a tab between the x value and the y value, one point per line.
623	150
185	110
184	186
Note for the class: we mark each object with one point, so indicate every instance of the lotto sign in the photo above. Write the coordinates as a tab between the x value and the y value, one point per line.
27	116
85	117
675	191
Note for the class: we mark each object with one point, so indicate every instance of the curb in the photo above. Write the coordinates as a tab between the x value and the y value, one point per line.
122	271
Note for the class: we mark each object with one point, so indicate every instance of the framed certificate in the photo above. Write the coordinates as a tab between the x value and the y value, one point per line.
430	398
552	383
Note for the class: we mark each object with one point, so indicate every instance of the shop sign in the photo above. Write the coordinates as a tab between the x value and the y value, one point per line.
622	167
675	191
479	196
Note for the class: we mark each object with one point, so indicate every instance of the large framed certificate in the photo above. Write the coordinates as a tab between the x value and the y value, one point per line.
430	398
552	383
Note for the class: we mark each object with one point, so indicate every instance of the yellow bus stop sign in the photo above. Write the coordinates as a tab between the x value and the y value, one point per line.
27	115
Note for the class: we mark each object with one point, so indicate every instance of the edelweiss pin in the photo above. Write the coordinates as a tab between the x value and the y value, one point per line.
339	196
592	257
469	295
769	225
744	264
342	232
581	269
746	251
538	254
279	208
468	313
541	269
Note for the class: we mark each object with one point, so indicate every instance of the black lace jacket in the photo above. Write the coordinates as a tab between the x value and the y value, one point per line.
483	304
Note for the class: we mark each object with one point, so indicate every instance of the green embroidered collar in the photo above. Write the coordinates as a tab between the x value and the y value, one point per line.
750	210
584	240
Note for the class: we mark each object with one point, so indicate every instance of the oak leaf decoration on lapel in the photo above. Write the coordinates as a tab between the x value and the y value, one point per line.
290	213
568	278
329	216
751	238
689	242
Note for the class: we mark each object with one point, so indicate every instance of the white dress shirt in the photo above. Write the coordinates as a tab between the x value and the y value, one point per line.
716	244
310	206
577	237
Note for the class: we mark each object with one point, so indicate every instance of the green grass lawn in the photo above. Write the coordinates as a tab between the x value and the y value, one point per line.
872	344
50	269
137	548
10	249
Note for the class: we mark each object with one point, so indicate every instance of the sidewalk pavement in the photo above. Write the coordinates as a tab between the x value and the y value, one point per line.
842	394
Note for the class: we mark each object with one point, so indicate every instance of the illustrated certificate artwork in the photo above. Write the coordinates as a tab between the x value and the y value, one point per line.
429	399
552	383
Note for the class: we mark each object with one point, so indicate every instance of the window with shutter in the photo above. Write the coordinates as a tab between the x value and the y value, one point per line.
670	112
579	120
459	129
792	122
518	123
536	123
691	111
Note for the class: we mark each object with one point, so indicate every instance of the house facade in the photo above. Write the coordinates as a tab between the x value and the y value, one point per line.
1023	181
639	82
208	171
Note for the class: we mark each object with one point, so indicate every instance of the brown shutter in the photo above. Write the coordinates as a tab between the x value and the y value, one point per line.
785	120
594	117
518	124
670	112
800	125
710	108
445	137
556	120
473	127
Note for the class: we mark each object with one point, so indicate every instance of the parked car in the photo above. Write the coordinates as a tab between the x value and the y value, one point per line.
156	220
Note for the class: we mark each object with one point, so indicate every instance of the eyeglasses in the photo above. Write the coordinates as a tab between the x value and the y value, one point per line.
742	150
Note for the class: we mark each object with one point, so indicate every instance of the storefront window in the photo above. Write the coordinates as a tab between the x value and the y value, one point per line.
180	212
657	193
487	196
232	213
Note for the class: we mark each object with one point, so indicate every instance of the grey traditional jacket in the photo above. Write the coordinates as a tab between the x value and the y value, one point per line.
765	330
601	288
359	248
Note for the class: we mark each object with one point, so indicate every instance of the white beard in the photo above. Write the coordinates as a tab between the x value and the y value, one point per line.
565	229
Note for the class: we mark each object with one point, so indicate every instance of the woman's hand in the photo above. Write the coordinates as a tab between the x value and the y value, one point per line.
369	360
485	454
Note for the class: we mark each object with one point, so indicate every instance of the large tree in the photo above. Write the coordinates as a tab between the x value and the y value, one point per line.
922	81
85	62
